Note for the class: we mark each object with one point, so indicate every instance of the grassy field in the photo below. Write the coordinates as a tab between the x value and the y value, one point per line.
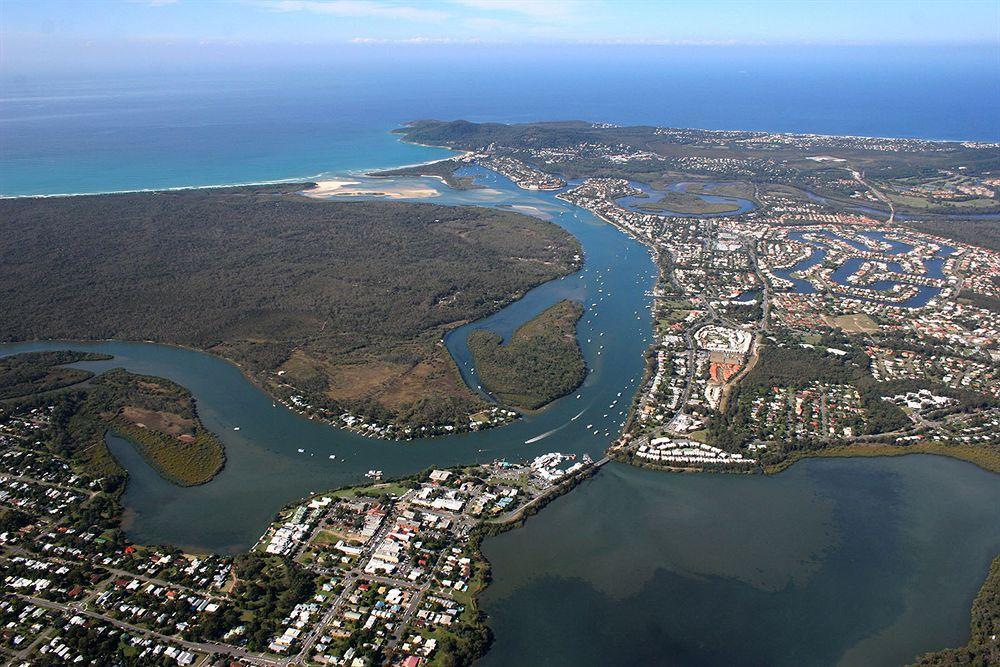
683	202
857	323
541	362
739	189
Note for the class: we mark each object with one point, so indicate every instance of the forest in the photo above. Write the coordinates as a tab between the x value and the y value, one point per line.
541	362
348	300
35	372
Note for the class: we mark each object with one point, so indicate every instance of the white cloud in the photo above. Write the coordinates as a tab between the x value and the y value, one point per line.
357	9
539	9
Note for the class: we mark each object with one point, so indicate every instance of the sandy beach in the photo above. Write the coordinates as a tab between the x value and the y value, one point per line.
348	188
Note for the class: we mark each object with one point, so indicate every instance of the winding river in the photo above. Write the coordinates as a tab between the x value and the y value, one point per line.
264	469
854	561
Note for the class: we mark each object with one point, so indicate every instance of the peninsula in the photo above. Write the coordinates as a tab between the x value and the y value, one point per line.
822	319
337	309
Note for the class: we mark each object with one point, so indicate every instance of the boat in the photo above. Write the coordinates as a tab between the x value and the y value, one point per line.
301	451
333	457
236	428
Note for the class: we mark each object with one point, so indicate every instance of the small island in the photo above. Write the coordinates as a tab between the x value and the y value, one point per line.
686	203
541	362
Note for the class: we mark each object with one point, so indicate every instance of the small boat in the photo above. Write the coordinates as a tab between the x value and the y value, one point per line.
333	457
301	451
590	426
236	428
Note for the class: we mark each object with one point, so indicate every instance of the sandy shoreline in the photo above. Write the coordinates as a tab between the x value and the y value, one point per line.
351	188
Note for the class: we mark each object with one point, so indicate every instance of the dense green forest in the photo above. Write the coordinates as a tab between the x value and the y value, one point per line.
34	372
541	362
349	299
981	232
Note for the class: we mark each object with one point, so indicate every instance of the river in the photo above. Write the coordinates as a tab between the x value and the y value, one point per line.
833	560
264	469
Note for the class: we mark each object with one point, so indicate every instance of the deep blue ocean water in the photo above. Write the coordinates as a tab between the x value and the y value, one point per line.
100	132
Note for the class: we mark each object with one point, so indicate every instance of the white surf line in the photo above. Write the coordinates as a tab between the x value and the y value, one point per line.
172	188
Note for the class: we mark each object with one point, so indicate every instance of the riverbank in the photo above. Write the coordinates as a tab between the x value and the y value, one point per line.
986	459
374	364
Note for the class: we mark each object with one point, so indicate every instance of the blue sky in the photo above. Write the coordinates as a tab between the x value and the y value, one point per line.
58	32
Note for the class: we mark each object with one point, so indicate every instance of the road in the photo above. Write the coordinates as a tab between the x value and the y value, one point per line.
201	647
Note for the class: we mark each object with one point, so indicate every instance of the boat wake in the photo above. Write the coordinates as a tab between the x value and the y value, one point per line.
545	435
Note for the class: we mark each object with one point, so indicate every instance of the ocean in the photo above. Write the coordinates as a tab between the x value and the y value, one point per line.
98	132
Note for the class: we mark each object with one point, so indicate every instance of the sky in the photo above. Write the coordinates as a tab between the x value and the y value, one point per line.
67	33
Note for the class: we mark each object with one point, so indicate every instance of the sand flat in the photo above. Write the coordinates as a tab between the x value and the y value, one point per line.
348	188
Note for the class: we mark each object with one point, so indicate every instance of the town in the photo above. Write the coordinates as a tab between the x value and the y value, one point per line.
873	307
383	573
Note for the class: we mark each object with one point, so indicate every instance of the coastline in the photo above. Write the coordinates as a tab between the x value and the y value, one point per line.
488	529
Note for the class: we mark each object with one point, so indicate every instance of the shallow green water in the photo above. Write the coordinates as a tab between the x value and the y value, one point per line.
851	561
